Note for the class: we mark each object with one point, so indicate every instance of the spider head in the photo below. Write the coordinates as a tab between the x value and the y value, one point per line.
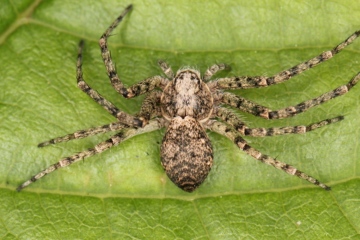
187	81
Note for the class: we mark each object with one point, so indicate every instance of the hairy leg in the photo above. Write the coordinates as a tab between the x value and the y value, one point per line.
99	148
107	105
150	107
137	89
229	117
263	81
264	112
166	69
214	69
234	136
116	126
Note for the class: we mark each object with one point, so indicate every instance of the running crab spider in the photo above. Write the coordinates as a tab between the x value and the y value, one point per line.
186	106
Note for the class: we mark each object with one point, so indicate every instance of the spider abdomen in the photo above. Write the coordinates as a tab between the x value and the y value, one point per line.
186	153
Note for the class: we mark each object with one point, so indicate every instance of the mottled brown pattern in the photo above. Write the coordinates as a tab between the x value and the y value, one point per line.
187	104
186	153
187	95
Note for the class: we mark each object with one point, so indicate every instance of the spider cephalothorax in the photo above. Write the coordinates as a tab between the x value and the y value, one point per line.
187	106
187	95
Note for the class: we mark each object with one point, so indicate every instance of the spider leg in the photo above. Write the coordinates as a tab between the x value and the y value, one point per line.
214	69
150	107
99	148
116	126
166	69
111	108
234	136
137	89
263	81
105	53
264	112
145	86
229	117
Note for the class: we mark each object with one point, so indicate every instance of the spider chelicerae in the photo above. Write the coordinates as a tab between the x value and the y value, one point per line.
186	106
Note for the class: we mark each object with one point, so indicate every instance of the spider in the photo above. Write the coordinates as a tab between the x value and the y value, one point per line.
187	104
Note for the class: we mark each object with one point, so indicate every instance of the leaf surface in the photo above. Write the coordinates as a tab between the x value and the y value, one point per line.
124	193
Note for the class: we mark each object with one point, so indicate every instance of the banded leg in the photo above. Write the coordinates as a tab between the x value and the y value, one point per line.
214	69
234	136
166	69
140	88
116	126
229	117
150	107
105	53
264	112
148	110
99	148
263	81
111	108
146	86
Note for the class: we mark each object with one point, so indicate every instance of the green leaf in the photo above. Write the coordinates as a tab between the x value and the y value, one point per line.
124	193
